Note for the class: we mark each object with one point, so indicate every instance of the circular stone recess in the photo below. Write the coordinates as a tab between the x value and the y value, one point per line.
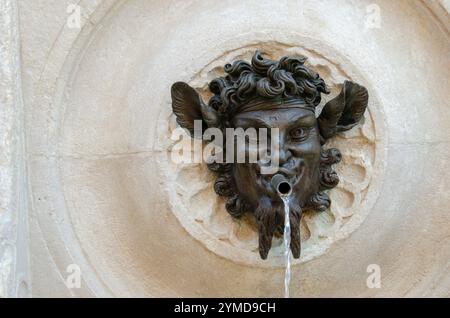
202	212
108	198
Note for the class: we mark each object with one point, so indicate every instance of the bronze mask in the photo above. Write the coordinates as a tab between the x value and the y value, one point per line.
274	94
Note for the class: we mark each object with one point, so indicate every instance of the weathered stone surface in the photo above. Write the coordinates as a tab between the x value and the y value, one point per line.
104	196
14	277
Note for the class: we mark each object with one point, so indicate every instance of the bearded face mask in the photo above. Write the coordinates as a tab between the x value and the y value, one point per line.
276	96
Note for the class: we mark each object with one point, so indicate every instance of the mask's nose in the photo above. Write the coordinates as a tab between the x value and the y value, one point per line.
282	153
279	155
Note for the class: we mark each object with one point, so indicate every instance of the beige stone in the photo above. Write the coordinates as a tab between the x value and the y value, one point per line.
86	175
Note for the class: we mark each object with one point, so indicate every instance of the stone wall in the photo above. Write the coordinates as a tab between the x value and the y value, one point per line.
14	263
87	185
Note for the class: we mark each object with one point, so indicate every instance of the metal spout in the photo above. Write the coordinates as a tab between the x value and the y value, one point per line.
281	185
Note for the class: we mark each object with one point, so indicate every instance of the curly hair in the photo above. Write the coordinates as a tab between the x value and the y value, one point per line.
267	79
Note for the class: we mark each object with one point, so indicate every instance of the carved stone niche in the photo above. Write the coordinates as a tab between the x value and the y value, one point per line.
204	214
267	94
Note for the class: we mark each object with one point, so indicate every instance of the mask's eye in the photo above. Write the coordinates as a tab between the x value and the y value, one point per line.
300	134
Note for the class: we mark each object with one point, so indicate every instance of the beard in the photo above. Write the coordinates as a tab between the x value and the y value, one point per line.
270	220
257	198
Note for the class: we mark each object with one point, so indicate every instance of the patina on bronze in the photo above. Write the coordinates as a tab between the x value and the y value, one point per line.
275	94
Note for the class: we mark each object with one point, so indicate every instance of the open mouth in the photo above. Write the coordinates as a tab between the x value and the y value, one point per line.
292	176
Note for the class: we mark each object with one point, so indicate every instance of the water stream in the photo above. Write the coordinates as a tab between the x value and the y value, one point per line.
287	243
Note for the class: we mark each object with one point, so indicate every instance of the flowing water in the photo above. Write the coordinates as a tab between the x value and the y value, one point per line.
287	243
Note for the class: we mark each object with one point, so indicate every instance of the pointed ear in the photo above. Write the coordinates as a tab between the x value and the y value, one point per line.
345	111
186	105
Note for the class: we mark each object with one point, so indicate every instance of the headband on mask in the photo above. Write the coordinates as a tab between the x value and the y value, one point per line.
273	104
